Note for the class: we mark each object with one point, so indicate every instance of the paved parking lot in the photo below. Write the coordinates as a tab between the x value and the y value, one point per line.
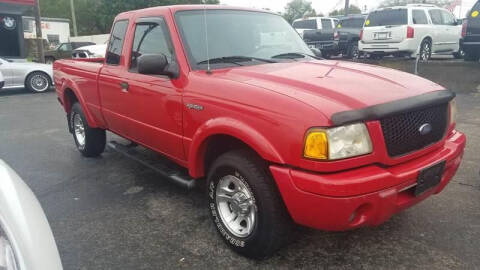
112	213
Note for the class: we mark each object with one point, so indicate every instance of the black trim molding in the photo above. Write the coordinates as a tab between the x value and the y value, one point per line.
391	108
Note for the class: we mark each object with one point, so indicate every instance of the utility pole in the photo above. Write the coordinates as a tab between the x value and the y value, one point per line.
347	6
38	27
74	18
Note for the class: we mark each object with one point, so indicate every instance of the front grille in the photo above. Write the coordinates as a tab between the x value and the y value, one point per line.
402	131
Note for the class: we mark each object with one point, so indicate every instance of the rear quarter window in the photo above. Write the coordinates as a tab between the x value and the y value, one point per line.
387	17
419	17
305	24
326	24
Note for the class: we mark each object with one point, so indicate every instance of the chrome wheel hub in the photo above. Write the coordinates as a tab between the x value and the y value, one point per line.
236	206
39	83
425	52
79	130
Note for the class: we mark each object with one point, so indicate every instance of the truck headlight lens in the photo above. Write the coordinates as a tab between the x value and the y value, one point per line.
338	143
453	111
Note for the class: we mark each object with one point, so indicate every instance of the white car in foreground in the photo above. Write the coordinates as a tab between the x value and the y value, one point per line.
26	240
410	30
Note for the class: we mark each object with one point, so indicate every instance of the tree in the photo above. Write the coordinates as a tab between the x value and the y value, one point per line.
299	9
96	16
351	10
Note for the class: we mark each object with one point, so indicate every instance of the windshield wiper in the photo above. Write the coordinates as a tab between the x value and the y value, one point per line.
294	55
235	60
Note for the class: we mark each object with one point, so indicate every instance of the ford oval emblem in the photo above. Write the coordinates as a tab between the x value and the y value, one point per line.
425	129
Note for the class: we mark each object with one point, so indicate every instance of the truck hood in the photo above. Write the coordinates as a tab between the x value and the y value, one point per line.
333	86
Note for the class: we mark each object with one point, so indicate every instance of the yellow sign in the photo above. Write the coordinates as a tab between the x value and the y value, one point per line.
339	26
475	13
367	22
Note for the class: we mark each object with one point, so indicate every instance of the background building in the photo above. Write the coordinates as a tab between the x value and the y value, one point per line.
55	31
11	27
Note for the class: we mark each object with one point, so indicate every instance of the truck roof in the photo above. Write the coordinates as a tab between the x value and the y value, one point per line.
175	8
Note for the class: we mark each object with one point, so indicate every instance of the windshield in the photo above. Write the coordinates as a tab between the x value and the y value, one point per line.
387	17
236	33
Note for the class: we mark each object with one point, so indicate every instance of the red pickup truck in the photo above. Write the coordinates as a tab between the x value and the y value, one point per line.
234	96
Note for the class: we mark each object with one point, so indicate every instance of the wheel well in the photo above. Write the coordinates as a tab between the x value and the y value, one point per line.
427	38
69	99
217	145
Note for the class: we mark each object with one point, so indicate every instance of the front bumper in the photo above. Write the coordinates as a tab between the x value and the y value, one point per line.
407	46
365	196
329	46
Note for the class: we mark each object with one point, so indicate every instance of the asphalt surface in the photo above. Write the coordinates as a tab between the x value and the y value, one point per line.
113	213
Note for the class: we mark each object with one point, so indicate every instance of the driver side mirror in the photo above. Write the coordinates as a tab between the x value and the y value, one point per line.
156	64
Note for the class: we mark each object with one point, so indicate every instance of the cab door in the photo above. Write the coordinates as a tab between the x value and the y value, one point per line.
155	101
453	31
64	51
112	88
440	35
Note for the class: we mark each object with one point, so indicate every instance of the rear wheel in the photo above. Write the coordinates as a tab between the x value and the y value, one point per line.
38	82
352	50
246	206
90	141
326	55
425	50
471	57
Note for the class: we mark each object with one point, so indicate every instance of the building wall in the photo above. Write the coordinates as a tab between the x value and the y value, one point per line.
55	31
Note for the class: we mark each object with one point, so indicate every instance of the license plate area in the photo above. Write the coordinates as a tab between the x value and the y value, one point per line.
382	35
429	178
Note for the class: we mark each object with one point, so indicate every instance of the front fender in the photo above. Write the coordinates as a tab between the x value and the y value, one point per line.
233	128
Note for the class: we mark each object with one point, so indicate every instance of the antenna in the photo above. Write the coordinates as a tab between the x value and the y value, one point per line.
209	71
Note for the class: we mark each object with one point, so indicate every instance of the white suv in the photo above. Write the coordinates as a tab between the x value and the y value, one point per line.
410	29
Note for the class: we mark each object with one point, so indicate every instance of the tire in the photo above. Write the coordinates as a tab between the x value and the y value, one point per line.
239	181
471	57
49	60
459	55
38	82
425	50
89	141
326	55
352	50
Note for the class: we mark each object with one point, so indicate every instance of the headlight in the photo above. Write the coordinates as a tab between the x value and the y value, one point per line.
337	143
453	111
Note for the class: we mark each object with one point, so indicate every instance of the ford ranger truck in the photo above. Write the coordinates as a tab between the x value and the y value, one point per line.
234	96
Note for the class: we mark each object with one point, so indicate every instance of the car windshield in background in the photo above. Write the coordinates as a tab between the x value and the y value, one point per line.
236	35
351	23
387	17
305	24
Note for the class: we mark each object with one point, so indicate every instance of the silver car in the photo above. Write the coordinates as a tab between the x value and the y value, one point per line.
33	76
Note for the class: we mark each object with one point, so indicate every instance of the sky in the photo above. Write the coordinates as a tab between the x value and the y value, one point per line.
324	6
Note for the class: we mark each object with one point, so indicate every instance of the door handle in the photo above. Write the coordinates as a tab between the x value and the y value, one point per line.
124	86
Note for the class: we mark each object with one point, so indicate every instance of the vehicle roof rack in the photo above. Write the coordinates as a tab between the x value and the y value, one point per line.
421	5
